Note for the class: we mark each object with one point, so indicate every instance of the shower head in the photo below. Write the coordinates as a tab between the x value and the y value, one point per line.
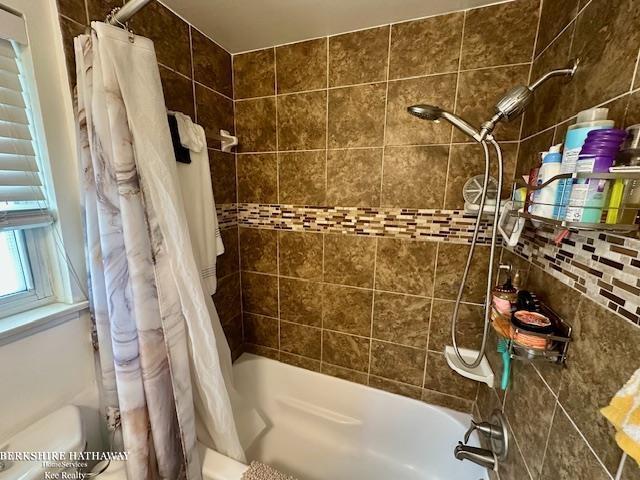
435	114
516	100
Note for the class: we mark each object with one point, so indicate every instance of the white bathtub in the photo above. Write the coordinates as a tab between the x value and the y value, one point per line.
325	428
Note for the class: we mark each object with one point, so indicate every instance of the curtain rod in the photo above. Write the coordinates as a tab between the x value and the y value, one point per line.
128	10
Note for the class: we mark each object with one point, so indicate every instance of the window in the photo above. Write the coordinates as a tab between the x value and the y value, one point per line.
25	219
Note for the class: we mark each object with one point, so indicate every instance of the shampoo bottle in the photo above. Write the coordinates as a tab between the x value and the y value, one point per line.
587	120
545	198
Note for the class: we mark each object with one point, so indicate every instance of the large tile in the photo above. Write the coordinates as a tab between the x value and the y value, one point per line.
302	177
227	297
302	66
514	467
405	266
302	121
173	51
631	471
568	456
214	112
448	401
528	393
467	161
228	262
347	309
353	177
300	362
349	260
73	9
401	319
487	401
301	255
529	152
300	340
414	177
544	110
254	74
211	64
405	129
469	326
441	378
233	333
478	92
561	298
344	373
500	34
222	166
345	351
427	46
606	39
256	124
450	265
178	92
258	178
358	57
301	301
398	388
356	116
70	30
259	250
260	330
260	294
599	365
99	9
555	16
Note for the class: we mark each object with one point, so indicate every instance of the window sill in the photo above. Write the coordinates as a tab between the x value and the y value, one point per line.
20	325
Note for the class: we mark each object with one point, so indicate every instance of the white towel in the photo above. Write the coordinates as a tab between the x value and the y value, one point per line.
200	207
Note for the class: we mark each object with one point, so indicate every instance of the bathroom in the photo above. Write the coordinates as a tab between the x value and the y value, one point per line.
345	224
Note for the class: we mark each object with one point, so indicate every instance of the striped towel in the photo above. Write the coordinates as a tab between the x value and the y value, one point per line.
260	471
624	413
197	195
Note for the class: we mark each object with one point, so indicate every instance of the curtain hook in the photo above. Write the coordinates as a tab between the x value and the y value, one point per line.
111	19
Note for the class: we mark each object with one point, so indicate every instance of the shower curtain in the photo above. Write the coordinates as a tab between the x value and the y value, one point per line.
147	301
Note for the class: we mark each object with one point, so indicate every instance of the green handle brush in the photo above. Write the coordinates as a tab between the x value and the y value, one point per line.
503	349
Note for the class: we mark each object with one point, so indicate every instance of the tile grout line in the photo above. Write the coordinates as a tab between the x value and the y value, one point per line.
326	187
399	79
433	291
373	303
455	106
275	89
585	440
546	443
384	124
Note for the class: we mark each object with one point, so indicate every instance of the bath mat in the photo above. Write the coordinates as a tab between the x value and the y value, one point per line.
260	471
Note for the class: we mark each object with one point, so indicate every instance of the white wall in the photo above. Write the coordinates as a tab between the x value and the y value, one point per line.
45	371
54	367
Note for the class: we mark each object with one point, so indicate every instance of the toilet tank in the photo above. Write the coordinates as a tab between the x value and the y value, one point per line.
60	431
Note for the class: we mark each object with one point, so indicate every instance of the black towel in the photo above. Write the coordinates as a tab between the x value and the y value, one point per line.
182	154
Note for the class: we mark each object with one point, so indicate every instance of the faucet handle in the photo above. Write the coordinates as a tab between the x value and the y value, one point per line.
487	429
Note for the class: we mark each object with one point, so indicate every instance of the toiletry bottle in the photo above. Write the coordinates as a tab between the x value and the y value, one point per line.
587	120
625	193
545	198
590	195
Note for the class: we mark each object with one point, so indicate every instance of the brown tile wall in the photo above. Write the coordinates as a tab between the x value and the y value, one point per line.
196	77
333	135
590	279
327	148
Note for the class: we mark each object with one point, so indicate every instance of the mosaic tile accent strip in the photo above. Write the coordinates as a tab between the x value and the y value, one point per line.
604	267
227	215
433	225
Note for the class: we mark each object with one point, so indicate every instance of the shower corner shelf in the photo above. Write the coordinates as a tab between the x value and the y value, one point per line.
482	373
556	353
575	226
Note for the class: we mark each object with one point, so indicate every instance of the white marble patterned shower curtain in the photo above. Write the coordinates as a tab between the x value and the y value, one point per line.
146	295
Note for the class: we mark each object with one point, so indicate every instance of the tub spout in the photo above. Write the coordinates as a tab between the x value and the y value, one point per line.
480	456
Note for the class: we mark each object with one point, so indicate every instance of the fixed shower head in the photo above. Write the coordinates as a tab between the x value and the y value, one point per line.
435	114
518	98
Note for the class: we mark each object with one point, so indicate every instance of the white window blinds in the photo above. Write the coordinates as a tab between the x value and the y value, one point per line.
22	199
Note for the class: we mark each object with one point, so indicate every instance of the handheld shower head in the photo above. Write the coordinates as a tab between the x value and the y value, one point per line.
435	114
